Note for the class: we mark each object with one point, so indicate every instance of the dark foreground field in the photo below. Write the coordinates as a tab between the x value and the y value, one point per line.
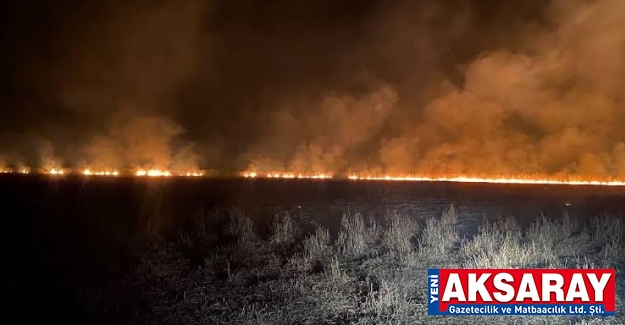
221	271
73	264
372	273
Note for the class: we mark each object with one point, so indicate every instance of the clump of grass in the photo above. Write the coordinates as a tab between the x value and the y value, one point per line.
317	246
439	236
383	300
241	227
200	223
334	271
207	223
609	234
560	235
501	244
449	217
317	252
491	236
512	253
608	229
547	243
399	235
611	255
284	230
184	240
355	236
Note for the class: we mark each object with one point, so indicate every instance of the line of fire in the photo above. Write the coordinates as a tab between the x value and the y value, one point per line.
155	172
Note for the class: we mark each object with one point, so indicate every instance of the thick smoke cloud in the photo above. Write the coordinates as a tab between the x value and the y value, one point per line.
112	75
148	53
324	140
372	87
554	108
140	142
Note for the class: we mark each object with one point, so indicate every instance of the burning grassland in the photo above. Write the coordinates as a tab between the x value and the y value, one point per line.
498	179
89	172
446	96
196	173
287	175
54	171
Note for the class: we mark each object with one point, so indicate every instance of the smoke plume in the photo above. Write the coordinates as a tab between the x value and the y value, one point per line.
112	77
553	108
371	87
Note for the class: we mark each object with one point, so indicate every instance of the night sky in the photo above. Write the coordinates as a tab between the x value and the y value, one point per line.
364	86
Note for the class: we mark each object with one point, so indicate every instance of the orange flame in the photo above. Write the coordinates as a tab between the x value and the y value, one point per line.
491	180
166	173
152	173
89	172
287	175
192	174
458	179
55	171
249	174
504	179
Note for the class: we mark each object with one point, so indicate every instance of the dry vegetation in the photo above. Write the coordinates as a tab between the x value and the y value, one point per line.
372	272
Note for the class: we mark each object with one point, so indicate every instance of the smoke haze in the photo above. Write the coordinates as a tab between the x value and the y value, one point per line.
372	87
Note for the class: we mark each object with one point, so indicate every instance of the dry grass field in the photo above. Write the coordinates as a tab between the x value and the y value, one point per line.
224	271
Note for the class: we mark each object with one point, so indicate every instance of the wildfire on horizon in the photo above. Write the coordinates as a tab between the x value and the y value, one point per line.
105	172
54	171
152	173
499	179
193	174
166	173
89	172
287	175
491	180
456	179
18	171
